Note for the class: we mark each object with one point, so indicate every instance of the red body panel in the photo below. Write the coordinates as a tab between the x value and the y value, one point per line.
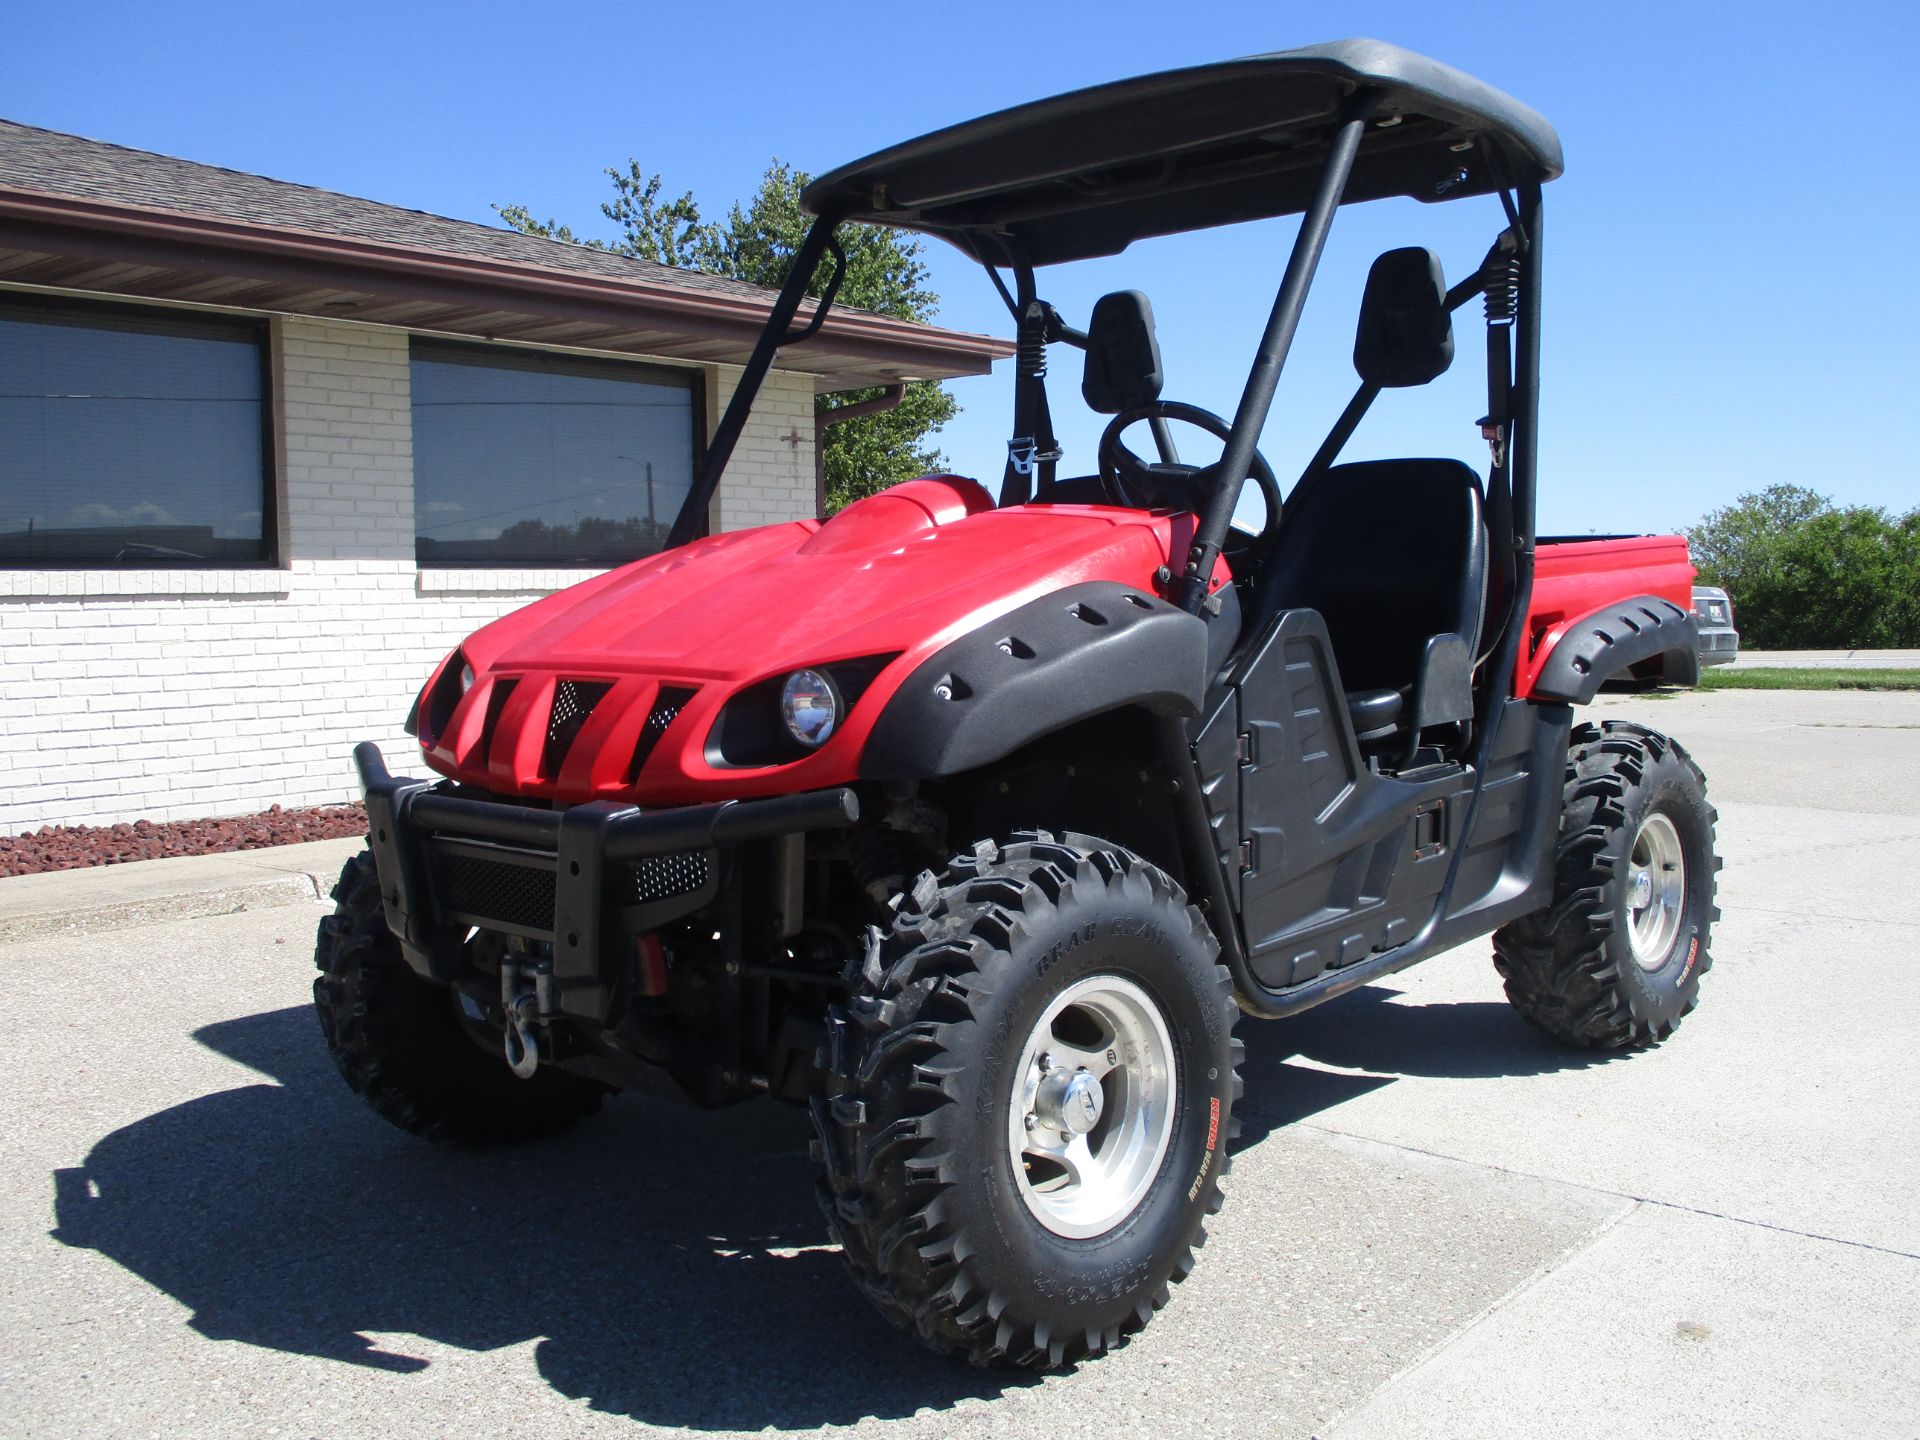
1574	578
901	573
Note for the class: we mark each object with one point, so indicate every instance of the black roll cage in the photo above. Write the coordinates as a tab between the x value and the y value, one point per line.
1088	172
1510	277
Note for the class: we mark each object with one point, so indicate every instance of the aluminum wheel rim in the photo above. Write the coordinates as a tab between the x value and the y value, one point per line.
1656	891
1091	1113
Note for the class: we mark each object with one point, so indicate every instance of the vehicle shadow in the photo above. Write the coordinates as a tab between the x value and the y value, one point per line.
1367	1031
671	1263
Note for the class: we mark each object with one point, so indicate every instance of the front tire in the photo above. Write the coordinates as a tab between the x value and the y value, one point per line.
1029	1094
399	1043
1614	962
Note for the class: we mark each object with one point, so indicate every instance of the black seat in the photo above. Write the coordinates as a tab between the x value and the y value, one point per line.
1376	713
1393	554
1123	356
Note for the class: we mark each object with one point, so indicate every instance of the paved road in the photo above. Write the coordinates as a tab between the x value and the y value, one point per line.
1438	1225
1830	659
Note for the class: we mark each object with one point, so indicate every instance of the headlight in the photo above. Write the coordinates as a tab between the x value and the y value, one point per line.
810	705
466	678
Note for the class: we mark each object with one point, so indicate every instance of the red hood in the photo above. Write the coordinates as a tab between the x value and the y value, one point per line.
899	574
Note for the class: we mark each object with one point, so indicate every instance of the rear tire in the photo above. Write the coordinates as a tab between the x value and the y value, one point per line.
1614	962
399	1043
1029	980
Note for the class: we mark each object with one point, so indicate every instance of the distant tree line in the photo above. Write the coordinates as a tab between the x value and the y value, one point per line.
1805	574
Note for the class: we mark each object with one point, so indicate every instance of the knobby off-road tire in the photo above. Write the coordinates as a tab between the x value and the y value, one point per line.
1634	801
924	1070
400	1043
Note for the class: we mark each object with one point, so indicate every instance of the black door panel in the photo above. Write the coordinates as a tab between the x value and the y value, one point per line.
1337	862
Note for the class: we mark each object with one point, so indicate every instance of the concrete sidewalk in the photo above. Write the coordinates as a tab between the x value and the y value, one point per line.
1438	1225
110	897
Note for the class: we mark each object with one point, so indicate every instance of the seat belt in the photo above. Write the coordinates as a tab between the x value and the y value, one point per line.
1500	273
1032	453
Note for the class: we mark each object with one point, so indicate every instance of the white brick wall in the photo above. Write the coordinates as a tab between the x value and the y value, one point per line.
179	694
770	477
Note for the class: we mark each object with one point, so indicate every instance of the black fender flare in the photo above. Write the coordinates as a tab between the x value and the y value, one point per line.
1070	655
1606	642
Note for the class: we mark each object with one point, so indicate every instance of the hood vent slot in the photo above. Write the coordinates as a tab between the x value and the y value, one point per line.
666	709
573	702
496	702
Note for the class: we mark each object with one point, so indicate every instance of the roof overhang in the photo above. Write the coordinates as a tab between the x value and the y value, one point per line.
1089	172
71	243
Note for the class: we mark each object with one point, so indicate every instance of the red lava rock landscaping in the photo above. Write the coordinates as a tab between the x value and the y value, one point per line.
70	847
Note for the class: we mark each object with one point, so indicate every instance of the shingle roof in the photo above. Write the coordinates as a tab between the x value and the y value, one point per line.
60	164
84	216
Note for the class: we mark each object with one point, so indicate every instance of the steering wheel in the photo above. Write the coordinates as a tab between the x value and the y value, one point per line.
1137	484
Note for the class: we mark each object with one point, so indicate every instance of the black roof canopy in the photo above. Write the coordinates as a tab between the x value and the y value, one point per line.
1089	172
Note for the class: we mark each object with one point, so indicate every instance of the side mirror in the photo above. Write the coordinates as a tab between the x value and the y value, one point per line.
1405	335
1123	357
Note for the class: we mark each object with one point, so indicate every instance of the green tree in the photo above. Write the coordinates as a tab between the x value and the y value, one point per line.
1804	574
757	243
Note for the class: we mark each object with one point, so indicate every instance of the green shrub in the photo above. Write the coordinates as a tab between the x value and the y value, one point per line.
1806	575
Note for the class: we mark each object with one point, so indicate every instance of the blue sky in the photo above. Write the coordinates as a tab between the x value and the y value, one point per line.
1731	298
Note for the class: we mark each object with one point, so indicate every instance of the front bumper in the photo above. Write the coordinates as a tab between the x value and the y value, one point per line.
586	880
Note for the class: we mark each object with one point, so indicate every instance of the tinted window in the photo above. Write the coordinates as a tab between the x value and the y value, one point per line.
528	459
129	438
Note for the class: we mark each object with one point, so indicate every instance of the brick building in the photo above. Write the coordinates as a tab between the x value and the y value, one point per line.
268	452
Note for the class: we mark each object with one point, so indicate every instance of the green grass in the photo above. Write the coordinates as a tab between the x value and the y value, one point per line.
1764	678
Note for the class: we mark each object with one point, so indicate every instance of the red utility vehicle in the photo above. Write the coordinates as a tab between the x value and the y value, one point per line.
974	823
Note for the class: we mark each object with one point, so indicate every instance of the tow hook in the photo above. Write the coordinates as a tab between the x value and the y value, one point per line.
526	997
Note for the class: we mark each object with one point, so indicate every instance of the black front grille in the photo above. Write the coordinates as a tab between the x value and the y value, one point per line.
476	888
573	702
481	889
665	877
496	705
667	706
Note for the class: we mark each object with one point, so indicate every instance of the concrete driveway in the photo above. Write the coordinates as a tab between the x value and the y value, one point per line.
1438	1225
